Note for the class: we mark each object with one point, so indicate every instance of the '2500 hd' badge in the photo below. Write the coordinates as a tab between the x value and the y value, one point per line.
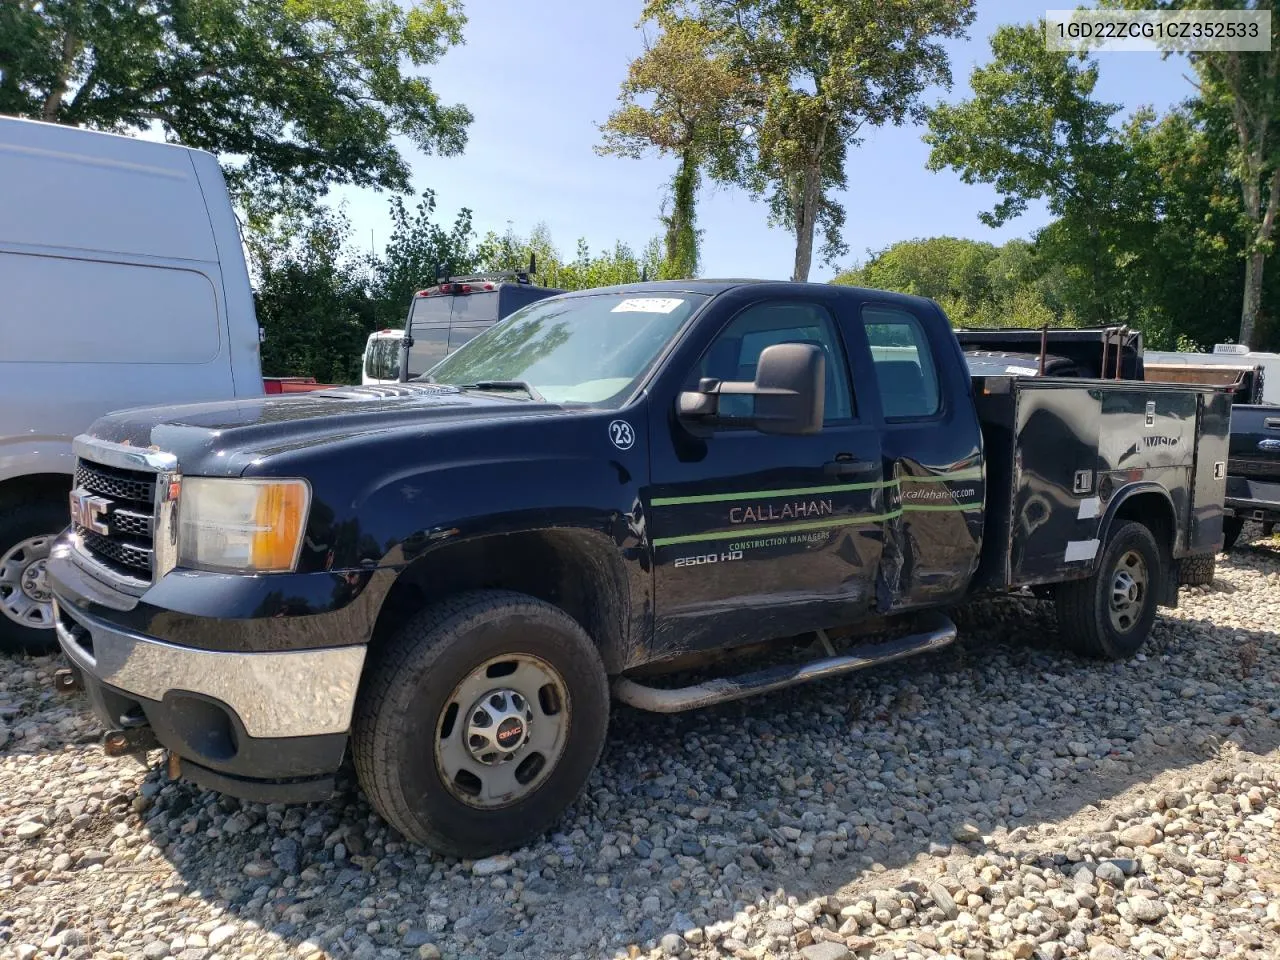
621	434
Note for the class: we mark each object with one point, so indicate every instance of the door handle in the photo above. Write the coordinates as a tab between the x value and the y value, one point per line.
843	468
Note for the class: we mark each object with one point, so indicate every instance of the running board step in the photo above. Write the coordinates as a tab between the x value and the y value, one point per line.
939	632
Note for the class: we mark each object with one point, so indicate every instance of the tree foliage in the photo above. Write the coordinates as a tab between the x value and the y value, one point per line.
818	74
294	96
1243	87
683	98
583	270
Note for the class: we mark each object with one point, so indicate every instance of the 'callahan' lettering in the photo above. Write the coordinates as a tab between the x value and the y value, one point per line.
764	512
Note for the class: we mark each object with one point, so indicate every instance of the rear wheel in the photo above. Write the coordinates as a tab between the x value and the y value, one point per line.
27	531
1110	613
1231	527
481	722
1197	571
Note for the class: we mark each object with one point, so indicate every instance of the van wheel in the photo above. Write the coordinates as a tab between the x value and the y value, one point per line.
27	531
1231	529
1110	613
480	722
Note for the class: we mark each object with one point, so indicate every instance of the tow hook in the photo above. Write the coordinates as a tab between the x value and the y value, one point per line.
66	681
117	743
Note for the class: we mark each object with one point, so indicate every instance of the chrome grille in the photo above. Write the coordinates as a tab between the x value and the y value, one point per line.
116	483
1242	467
126	547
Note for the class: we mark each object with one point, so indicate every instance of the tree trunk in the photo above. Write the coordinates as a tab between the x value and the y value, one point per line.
806	218
1253	265
681	240
58	90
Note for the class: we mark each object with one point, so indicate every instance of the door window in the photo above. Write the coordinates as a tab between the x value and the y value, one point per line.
905	374
736	351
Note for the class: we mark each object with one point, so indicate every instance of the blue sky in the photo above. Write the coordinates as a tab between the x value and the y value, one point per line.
540	78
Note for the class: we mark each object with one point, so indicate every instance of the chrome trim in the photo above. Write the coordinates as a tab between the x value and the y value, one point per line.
80	555
123	455
164	535
299	693
164	532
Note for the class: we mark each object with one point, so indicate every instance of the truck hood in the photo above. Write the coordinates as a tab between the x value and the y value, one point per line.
221	438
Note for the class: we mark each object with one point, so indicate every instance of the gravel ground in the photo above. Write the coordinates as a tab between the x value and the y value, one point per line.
999	799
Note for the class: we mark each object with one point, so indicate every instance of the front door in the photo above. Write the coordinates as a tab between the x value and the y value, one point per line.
757	536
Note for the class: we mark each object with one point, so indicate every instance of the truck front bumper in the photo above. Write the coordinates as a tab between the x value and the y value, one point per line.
270	727
1253	499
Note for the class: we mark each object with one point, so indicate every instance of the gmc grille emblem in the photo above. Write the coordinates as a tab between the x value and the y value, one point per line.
89	511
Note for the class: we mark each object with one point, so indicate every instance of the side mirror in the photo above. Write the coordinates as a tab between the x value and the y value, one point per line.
789	391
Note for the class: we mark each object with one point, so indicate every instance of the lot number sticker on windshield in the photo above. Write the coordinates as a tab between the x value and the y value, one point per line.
648	305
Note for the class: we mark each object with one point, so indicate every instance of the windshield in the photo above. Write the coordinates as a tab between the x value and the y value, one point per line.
589	350
382	358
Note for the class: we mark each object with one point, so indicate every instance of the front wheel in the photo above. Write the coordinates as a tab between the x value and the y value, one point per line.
1110	613
27	531
481	722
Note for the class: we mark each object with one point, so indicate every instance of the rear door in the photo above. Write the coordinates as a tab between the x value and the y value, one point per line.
932	446
758	536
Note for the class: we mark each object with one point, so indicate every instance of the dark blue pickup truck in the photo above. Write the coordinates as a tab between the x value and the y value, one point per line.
1253	470
451	578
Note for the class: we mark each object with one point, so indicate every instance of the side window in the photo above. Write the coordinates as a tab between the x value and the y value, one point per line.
904	367
736	351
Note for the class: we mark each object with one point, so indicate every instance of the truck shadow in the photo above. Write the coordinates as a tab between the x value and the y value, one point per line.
809	791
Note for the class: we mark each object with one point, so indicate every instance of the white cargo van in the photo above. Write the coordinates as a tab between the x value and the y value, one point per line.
122	284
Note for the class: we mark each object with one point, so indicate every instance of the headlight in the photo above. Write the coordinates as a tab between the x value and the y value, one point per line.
242	524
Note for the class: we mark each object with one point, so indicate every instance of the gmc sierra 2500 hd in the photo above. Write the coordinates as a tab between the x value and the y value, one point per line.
450	576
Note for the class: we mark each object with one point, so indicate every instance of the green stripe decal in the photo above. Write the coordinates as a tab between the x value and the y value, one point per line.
974	473
750	533
939	507
768	494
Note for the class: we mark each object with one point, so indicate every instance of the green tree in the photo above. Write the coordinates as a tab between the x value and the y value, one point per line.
417	247
1245	87
621	264
294	96
693	110
1035	132
976	283
312	299
821	73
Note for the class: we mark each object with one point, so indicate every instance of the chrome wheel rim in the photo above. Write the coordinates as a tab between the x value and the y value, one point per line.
502	731
25	597
1128	591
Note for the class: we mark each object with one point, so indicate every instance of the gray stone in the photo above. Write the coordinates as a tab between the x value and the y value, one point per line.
825	950
492	866
29	830
946	903
1139	835
1147	909
966	832
428	951
1110	872
155	950
673	944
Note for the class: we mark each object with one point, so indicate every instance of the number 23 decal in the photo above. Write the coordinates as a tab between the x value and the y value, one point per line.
621	435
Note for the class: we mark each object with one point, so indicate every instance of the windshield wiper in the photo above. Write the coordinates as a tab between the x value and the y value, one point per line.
528	388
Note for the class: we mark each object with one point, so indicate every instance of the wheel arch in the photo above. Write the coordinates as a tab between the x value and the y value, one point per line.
1150	505
28	485
578	570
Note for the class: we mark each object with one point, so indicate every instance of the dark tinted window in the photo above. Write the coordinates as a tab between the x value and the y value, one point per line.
905	372
736	351
430	345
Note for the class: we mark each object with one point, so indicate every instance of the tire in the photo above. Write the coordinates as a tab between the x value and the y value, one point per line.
1197	571
435	666
27	530
1085	614
1231	528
